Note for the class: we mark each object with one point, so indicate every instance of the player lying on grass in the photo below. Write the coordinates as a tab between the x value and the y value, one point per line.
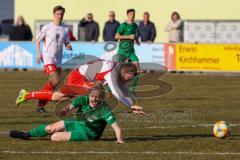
78	130
84	77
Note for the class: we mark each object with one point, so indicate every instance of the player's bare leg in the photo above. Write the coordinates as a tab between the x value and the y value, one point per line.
65	93
61	136
59	96
55	129
40	95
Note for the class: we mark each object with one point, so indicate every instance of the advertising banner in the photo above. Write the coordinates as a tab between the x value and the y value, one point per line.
23	54
203	57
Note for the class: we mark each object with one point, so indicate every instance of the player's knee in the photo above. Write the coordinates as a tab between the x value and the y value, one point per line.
61	95
55	137
57	96
60	136
50	129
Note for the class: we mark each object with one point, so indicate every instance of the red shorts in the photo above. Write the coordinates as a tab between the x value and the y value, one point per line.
49	68
76	84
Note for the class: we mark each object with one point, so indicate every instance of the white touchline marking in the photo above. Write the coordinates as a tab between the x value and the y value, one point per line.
182	126
161	127
109	152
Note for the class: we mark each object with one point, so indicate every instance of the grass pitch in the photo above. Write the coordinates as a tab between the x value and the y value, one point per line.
178	124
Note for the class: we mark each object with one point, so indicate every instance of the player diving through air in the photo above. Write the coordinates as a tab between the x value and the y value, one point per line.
86	76
78	130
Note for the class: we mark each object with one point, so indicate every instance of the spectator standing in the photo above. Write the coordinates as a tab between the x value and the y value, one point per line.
110	28
146	29
175	28
21	32
91	28
7	27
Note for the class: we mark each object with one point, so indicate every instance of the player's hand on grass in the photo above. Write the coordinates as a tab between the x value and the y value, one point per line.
140	113
135	107
39	58
138	110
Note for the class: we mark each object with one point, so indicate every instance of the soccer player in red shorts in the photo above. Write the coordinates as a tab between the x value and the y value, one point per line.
84	77
54	35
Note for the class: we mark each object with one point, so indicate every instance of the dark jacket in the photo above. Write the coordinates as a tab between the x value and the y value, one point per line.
146	32
109	31
21	33
91	30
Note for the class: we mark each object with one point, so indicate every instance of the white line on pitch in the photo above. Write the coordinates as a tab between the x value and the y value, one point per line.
109	152
161	127
182	126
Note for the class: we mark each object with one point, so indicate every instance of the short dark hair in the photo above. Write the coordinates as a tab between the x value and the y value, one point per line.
130	10
58	8
175	13
89	14
129	67
146	13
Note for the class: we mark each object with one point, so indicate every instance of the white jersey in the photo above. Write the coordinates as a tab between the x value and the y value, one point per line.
54	37
107	72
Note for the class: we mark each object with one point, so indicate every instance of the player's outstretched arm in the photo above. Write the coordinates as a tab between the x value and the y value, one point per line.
122	94
78	102
135	108
66	110
118	133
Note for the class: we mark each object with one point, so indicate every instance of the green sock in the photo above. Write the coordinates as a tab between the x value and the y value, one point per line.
39	131
133	84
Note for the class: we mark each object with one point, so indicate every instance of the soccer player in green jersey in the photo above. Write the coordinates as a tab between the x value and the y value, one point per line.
79	130
126	34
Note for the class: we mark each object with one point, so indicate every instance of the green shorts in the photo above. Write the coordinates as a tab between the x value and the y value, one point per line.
130	55
78	132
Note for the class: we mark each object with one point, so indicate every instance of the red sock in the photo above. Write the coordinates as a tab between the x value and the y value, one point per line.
47	86
41	95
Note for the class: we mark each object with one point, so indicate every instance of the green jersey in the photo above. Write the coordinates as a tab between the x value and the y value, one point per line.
96	119
125	29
